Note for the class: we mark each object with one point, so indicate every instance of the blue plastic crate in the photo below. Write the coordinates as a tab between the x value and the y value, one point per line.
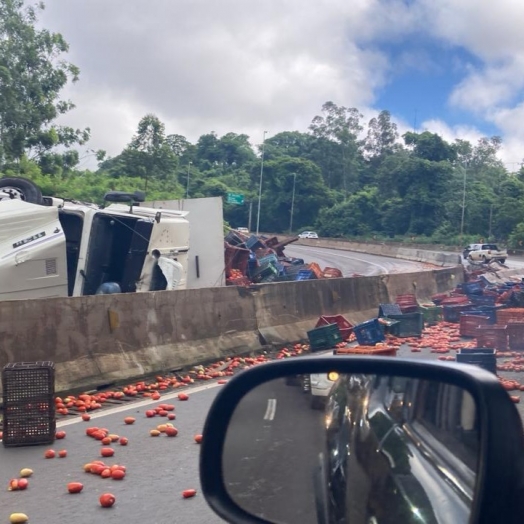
305	274
268	259
472	288
482	300
369	333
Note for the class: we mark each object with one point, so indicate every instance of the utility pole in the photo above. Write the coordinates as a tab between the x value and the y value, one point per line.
187	186
260	187
292	204
463	207
250	214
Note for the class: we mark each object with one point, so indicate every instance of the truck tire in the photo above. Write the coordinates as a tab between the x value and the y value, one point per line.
22	189
502	260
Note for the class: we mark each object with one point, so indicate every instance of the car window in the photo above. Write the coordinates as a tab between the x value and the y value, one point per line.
490	246
450	416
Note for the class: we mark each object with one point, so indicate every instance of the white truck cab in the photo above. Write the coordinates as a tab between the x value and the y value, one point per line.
51	247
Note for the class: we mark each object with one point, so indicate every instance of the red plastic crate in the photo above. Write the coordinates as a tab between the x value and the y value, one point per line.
516	336
495	337
505	316
469	324
345	327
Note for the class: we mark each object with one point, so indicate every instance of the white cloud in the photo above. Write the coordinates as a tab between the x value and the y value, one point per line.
246	66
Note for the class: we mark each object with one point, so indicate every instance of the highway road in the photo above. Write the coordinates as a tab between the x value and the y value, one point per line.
263	436
350	262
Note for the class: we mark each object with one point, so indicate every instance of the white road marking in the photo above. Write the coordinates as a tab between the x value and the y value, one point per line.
136	405
271	409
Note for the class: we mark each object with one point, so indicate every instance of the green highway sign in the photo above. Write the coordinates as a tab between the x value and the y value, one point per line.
234	198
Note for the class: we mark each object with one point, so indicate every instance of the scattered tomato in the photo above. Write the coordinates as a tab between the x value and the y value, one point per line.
129	420
23	483
86	417
107	500
60	435
171	432
118	474
62	453
107	452
50	453
198	439
171	416
183	396
123	441
188	493
75	487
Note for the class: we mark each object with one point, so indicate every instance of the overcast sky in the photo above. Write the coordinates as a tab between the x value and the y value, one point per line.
454	67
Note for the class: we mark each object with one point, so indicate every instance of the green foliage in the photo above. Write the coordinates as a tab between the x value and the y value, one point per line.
32	74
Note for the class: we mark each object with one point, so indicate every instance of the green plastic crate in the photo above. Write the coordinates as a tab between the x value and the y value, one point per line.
324	337
432	314
411	324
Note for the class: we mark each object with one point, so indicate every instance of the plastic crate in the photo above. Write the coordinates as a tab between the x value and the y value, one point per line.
482	300
516	336
410	324
324	337
472	288
432	314
268	259
482	357
367	350
451	301
254	243
438	298
384	310
305	274
504	316
451	312
492	337
369	333
332	272
345	327
29	407
470	322
263	272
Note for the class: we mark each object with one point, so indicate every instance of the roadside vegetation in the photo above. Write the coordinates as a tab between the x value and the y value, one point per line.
352	179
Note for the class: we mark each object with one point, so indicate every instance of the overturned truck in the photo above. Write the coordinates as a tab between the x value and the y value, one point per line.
52	247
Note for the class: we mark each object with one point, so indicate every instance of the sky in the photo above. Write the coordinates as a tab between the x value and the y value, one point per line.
452	67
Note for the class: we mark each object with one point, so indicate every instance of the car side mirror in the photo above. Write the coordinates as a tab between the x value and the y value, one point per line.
412	442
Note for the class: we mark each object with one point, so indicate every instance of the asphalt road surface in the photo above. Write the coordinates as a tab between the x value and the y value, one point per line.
271	451
350	262
158	470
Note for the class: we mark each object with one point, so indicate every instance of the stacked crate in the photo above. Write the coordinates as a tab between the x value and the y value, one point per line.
29	406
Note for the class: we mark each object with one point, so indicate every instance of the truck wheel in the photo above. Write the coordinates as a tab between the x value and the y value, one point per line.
21	189
502	260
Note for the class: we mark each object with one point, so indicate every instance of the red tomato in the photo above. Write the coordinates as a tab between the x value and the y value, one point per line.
171	432
118	474
23	483
188	493
107	452
129	420
107	500
62	453
75	487
123	441
86	417
50	453
60	435
150	413
183	396
171	416
198	439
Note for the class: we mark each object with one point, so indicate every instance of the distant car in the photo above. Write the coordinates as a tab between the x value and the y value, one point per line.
308	234
244	230
484	253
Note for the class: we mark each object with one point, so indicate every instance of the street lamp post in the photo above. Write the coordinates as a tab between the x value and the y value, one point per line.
292	204
463	206
187	185
260	186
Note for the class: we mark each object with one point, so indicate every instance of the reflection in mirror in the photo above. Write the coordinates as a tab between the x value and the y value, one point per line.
331	449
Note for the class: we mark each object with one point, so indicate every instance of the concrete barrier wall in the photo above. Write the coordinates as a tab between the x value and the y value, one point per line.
100	339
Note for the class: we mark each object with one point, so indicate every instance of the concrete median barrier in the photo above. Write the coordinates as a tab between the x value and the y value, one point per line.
103	339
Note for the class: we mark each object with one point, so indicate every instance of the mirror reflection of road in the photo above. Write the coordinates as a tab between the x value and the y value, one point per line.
271	450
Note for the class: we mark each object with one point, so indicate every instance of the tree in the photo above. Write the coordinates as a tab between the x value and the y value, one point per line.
148	156
430	146
342	126
32	74
382	136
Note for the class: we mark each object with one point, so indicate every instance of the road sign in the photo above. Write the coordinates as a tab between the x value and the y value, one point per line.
235	198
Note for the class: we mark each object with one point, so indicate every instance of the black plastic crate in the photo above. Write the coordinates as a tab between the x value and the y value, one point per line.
385	310
410	324
29	407
482	357
324	337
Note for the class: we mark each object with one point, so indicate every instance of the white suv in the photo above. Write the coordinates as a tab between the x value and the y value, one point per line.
308	234
484	253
